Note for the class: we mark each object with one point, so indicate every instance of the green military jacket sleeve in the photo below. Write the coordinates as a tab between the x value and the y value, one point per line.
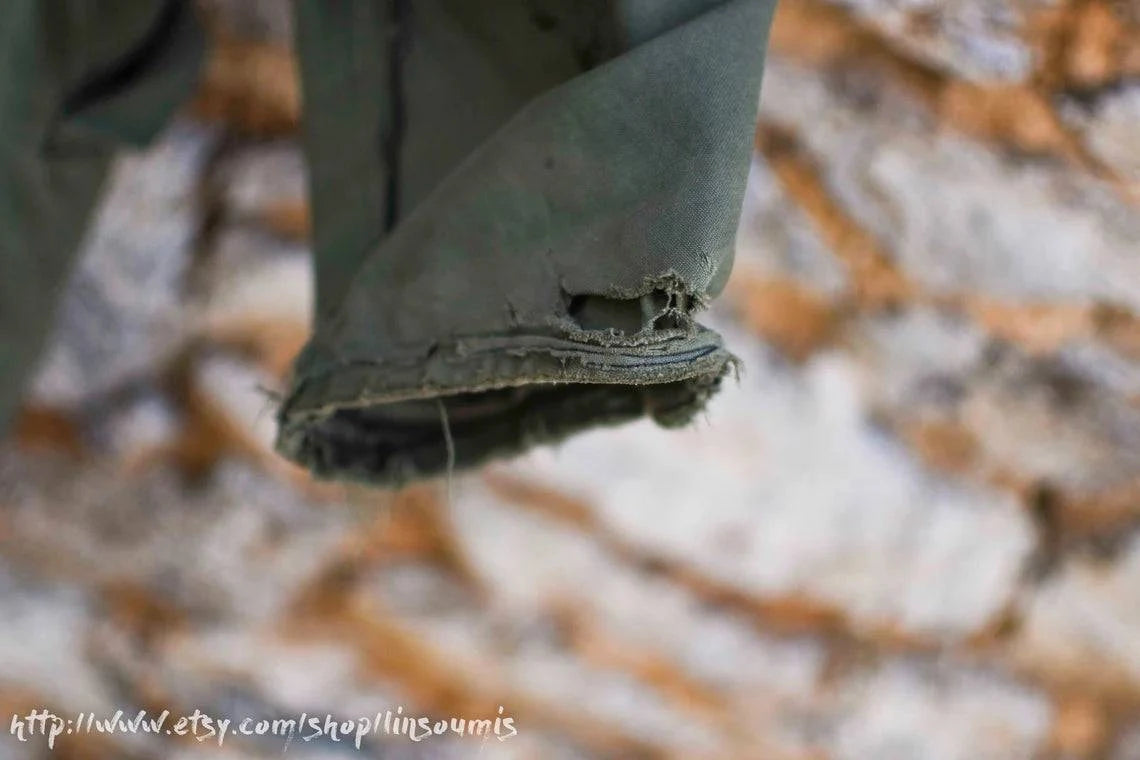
519	208
520	205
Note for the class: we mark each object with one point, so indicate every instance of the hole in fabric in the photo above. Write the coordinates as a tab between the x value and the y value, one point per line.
574	305
623	315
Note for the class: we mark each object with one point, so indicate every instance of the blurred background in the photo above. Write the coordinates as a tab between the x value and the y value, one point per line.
908	532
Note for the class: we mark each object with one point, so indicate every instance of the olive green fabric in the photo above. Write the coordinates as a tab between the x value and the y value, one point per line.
77	79
518	205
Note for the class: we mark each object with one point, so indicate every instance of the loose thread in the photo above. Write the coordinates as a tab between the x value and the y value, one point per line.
449	443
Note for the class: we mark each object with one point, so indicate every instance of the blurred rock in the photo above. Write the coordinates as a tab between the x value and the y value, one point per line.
261	177
256	295
1110	126
251	87
790	488
974	39
1047	419
121	314
140	429
960	217
1128	745
239	399
923	712
775	238
1081	624
253	276
42	627
709	663
194	547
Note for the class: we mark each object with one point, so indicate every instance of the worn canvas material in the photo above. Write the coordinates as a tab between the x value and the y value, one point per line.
520	205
